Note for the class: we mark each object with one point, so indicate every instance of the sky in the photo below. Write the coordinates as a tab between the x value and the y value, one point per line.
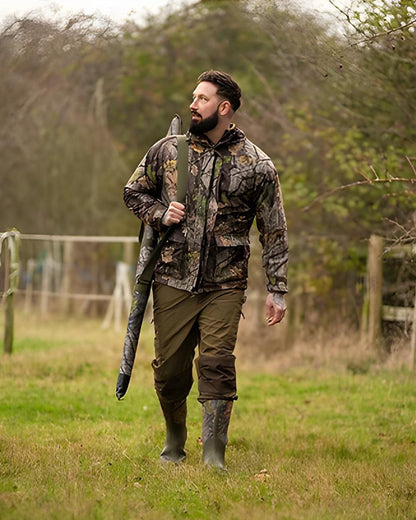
117	10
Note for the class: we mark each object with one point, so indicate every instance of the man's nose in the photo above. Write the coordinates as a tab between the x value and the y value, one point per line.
193	105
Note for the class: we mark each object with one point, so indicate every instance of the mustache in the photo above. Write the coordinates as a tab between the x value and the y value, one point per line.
195	113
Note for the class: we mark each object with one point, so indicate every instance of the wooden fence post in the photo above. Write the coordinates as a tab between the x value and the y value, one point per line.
128	253
31	265
413	338
46	287
375	288
68	262
122	296
8	321
11	262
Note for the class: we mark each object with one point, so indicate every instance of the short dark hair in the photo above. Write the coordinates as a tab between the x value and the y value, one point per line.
227	87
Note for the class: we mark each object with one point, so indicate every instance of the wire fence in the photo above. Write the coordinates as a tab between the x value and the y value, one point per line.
94	274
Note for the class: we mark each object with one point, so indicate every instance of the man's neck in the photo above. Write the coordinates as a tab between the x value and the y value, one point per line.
216	134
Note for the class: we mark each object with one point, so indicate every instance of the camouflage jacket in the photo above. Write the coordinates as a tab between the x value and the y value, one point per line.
229	184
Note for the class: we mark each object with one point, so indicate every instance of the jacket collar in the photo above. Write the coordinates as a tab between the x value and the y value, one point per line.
230	136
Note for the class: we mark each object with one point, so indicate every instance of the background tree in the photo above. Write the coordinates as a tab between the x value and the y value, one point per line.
61	170
329	103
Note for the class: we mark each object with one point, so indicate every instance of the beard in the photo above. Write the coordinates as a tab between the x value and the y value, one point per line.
204	125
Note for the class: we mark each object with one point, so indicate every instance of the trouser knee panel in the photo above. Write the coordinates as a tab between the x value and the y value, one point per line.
216	377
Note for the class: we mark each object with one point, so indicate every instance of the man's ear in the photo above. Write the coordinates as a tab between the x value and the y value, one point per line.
225	108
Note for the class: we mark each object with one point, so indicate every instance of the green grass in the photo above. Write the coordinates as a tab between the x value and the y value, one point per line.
336	445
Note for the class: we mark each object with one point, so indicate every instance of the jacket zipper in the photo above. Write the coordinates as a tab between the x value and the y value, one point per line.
204	245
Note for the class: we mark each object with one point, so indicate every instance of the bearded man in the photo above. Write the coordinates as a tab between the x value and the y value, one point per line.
201	276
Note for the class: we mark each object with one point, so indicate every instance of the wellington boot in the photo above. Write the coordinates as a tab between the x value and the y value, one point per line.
215	421
176	433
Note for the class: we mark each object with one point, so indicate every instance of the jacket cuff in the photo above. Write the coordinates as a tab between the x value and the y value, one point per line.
157	215
279	299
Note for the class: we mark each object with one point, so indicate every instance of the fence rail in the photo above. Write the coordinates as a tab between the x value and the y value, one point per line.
56	273
77	238
55	276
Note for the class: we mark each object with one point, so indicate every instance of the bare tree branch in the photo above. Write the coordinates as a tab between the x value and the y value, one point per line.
385	33
411	165
367	181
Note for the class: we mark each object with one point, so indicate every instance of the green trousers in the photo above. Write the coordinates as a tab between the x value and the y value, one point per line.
184	320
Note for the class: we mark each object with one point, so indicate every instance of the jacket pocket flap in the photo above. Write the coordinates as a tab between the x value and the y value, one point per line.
231	240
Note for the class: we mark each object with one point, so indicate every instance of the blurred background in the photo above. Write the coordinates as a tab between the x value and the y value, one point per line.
328	93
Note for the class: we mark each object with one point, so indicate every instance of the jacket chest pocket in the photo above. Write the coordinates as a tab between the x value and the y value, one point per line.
238	185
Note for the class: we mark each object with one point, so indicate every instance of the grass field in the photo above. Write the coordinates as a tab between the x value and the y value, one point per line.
304	443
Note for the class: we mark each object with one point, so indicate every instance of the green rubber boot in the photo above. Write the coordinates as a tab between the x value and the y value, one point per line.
176	433
215	420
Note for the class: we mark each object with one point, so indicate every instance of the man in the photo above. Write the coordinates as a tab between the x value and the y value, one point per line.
201	276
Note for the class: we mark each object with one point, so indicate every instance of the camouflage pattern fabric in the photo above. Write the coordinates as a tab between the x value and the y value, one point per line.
147	246
216	419
229	185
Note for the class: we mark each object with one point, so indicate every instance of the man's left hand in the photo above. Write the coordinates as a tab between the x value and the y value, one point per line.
274	312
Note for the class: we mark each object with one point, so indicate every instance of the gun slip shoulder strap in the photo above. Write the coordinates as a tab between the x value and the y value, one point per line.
181	187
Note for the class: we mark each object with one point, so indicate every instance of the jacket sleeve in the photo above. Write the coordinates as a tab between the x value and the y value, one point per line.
271	223
143	192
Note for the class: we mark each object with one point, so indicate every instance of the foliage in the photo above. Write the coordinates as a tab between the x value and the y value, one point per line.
330	103
161	62
379	99
60	168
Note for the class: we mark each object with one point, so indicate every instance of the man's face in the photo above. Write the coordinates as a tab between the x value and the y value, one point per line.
204	108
